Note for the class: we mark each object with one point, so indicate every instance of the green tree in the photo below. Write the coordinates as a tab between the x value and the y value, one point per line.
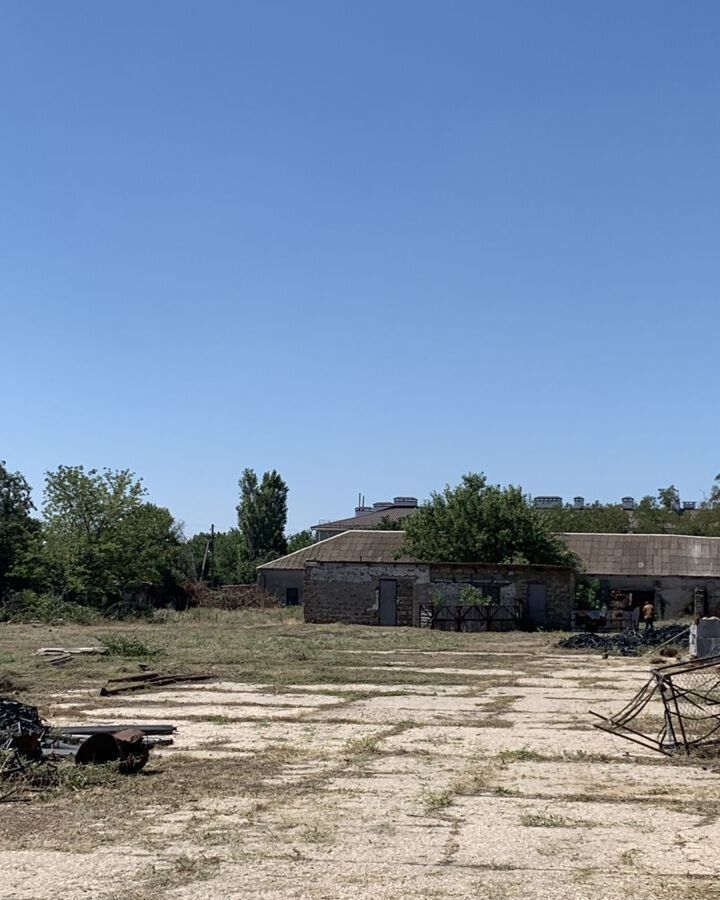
17	527
262	518
669	498
300	540
388	524
596	517
100	539
478	522
223	560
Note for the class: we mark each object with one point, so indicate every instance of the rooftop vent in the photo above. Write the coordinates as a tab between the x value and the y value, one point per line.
628	503
689	504
547	502
579	502
383	504
363	510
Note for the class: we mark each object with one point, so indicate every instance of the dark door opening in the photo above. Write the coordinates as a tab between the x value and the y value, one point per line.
292	596
387	602
536	606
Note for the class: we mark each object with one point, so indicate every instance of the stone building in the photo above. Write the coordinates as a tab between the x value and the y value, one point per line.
670	570
362	577
401	593
367	517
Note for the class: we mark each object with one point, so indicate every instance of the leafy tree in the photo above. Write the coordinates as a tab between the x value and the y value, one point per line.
262	517
596	517
669	498
300	540
388	524
478	522
100	539
223	561
17	526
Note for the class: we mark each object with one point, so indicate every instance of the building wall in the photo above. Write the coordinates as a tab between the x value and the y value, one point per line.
277	582
513	583
322	534
674	594
348	592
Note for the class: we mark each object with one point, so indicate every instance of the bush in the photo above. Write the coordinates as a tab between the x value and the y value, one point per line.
27	606
128	647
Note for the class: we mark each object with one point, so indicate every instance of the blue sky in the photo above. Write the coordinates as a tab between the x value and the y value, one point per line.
373	245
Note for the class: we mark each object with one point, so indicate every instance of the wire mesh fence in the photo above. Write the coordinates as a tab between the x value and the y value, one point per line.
678	708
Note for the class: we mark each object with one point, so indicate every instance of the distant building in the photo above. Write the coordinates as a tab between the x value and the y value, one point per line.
679	574
363	577
367	517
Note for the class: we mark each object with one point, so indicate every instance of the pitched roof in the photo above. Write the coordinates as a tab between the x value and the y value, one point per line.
647	554
601	554
350	546
368	519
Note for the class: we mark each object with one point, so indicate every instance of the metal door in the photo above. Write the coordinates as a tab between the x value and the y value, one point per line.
536	607
387	602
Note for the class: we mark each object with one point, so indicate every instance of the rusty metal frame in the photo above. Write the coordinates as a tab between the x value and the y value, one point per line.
673	736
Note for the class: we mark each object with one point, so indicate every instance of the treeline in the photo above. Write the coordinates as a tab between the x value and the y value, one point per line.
662	513
101	545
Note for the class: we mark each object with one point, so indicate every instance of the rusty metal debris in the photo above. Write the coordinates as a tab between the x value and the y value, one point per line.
128	683
689	698
128	748
27	740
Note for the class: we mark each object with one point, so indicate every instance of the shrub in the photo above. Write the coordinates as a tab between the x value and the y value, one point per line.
472	596
27	606
128	646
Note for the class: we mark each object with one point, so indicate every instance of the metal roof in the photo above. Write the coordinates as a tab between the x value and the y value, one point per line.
601	554
350	546
647	554
367	520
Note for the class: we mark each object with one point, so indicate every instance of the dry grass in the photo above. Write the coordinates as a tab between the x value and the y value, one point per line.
444	781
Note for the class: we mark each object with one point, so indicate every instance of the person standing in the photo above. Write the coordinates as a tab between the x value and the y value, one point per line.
648	614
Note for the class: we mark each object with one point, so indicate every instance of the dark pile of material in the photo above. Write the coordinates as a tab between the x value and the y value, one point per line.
624	643
17	718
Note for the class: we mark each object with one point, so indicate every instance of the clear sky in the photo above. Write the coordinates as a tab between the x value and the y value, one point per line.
371	244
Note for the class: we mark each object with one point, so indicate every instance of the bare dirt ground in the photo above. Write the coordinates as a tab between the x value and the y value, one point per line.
357	763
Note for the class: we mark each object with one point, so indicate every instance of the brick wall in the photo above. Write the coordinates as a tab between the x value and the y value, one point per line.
674	594
348	592
513	583
277	582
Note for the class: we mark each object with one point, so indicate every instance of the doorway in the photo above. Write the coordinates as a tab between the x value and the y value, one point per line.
387	602
536	606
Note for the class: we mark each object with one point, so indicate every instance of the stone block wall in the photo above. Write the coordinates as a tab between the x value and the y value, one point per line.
674	594
277	581
513	583
348	592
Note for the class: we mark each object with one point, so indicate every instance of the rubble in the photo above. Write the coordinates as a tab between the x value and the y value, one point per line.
625	643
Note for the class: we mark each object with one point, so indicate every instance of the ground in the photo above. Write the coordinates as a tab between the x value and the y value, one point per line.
343	762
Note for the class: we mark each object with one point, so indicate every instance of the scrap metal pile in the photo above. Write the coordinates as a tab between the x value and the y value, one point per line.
26	741
689	707
624	643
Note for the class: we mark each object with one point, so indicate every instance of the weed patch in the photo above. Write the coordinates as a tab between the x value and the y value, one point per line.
129	646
